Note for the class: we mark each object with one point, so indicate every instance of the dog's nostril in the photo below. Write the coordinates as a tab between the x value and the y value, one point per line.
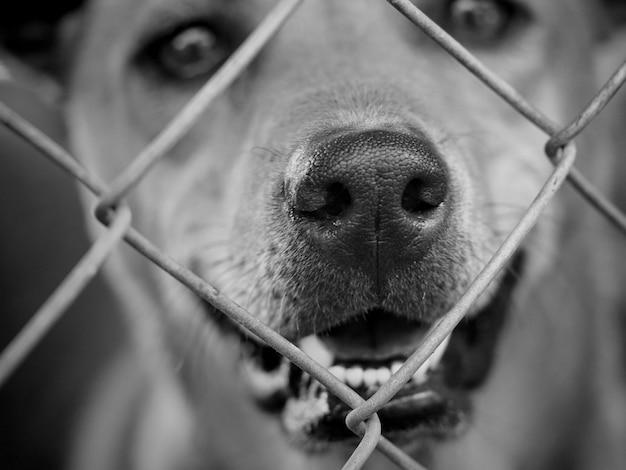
419	196
336	201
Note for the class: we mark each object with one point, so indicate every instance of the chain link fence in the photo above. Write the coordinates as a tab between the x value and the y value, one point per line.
113	213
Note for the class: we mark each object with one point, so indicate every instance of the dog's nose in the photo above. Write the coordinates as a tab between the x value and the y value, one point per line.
374	199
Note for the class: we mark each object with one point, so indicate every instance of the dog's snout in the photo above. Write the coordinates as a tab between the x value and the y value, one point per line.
376	198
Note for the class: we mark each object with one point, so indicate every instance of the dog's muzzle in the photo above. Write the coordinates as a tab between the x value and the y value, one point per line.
377	205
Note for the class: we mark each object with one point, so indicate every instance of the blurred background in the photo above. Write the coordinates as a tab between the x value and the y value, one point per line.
42	236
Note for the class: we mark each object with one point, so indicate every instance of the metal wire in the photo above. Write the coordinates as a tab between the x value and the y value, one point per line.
207	292
450	320
514	98
71	287
595	106
190	114
363	419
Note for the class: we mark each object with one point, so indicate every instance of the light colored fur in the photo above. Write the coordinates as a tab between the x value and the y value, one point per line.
358	65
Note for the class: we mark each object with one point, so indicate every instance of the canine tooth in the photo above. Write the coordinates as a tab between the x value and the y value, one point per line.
383	374
316	349
315	389
436	356
485	298
395	367
304	382
420	375
266	384
432	362
369	377
339	372
354	376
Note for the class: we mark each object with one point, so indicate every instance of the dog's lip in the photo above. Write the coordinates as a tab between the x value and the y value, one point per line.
379	336
426	410
392	336
405	340
276	384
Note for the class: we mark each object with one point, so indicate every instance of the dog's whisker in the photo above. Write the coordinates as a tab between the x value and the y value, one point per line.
262	151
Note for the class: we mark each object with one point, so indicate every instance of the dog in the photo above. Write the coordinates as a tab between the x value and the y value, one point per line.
346	190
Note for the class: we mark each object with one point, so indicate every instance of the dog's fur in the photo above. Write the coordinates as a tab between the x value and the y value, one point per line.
231	202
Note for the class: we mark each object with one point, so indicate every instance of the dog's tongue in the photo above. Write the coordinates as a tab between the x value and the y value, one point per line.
376	335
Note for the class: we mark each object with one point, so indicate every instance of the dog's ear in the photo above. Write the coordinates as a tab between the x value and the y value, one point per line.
612	18
33	43
611	37
616	10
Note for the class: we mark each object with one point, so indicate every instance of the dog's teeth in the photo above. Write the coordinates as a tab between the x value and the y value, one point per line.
395	367
316	349
383	374
357	376
420	376
370	377
339	372
265	384
315	389
485	298
305	381
432	362
354	376
437	355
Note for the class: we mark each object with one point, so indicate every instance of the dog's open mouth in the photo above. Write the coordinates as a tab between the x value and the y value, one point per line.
364	353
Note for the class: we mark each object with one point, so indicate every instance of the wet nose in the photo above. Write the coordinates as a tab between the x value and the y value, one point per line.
374	200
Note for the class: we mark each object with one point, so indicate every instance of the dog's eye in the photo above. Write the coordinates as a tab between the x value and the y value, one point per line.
481	21
190	52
